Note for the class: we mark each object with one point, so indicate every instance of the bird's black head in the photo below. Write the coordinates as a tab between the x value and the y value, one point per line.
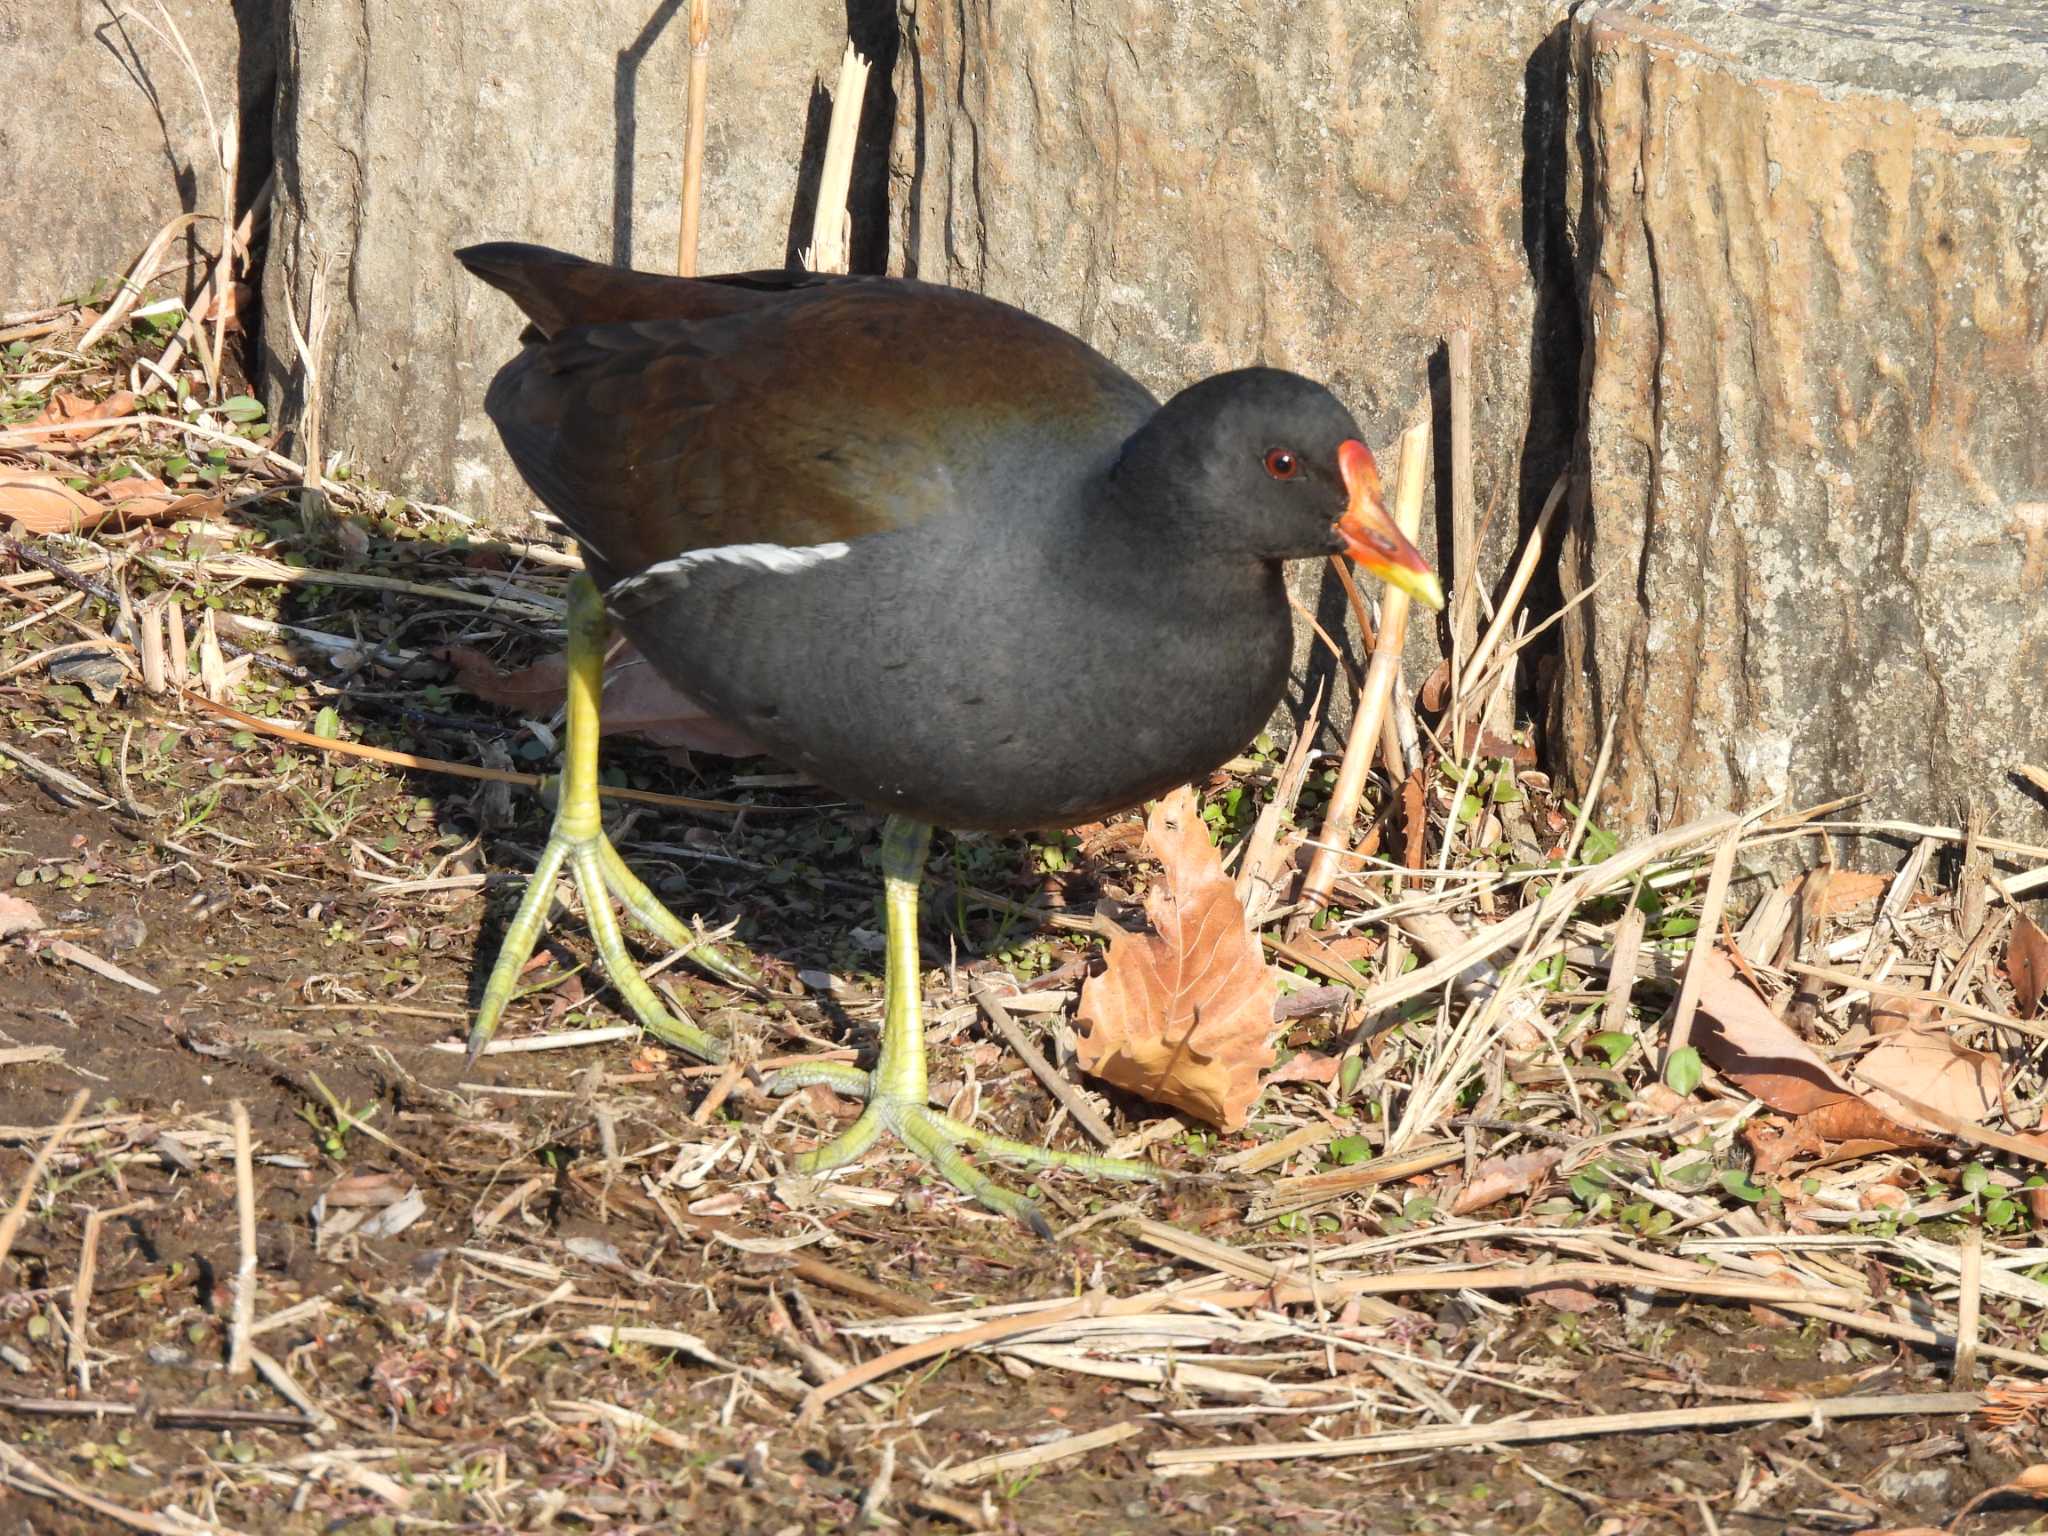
1267	465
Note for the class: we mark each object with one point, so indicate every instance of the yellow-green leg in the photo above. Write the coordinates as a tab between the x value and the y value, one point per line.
577	840
895	1091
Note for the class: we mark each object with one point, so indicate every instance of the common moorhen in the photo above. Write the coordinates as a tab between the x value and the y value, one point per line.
938	553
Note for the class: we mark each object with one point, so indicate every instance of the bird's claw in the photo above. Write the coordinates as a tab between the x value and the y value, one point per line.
936	1138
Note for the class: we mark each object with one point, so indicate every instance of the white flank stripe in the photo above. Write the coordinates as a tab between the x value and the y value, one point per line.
774	558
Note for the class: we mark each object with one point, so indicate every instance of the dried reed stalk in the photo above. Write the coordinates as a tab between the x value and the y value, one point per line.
693	137
10	1224
1523	1432
1511	599
1464	509
309	343
832	223
1373	696
245	1270
132	285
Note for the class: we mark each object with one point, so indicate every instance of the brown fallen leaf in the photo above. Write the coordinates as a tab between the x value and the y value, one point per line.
1414	821
637	700
1502	1178
1305	1067
1183	1015
1748	1044
65	406
1571	1297
162	505
41	503
1923	1060
1855	1123
2026	963
1842	890
371	1189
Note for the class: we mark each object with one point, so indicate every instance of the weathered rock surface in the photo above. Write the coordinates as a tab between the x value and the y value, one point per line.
1813	247
104	138
1330	186
406	131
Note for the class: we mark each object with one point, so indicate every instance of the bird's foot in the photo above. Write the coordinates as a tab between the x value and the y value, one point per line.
937	1138
602	876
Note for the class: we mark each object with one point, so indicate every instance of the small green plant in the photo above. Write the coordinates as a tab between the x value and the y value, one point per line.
1742	1186
330	1133
1346	1151
1612	1044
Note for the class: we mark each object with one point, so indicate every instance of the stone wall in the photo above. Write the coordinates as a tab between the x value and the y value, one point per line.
407	130
1330	186
104	137
1813	250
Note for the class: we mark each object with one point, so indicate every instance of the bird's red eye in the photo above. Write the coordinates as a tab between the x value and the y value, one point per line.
1282	464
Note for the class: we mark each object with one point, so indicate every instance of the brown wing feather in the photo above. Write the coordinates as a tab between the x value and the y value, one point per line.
557	290
783	409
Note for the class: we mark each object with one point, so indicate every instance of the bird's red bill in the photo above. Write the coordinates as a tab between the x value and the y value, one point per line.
1372	538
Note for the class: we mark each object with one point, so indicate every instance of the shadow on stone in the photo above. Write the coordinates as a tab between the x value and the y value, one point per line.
872	28
625	121
1556	385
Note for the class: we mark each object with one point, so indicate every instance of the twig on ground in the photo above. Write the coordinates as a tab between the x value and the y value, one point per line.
1711	907
32	1478
1036	1456
1968	1301
245	1269
10	1225
1070	1097
85	959
1820	1410
75	1360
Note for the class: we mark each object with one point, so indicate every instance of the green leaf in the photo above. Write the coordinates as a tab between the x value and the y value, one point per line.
1976	1178
1347	1150
1687	1178
1612	1044
1682	1072
1742	1186
327	724
243	408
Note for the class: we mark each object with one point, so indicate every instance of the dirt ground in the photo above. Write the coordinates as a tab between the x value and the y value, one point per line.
460	1366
